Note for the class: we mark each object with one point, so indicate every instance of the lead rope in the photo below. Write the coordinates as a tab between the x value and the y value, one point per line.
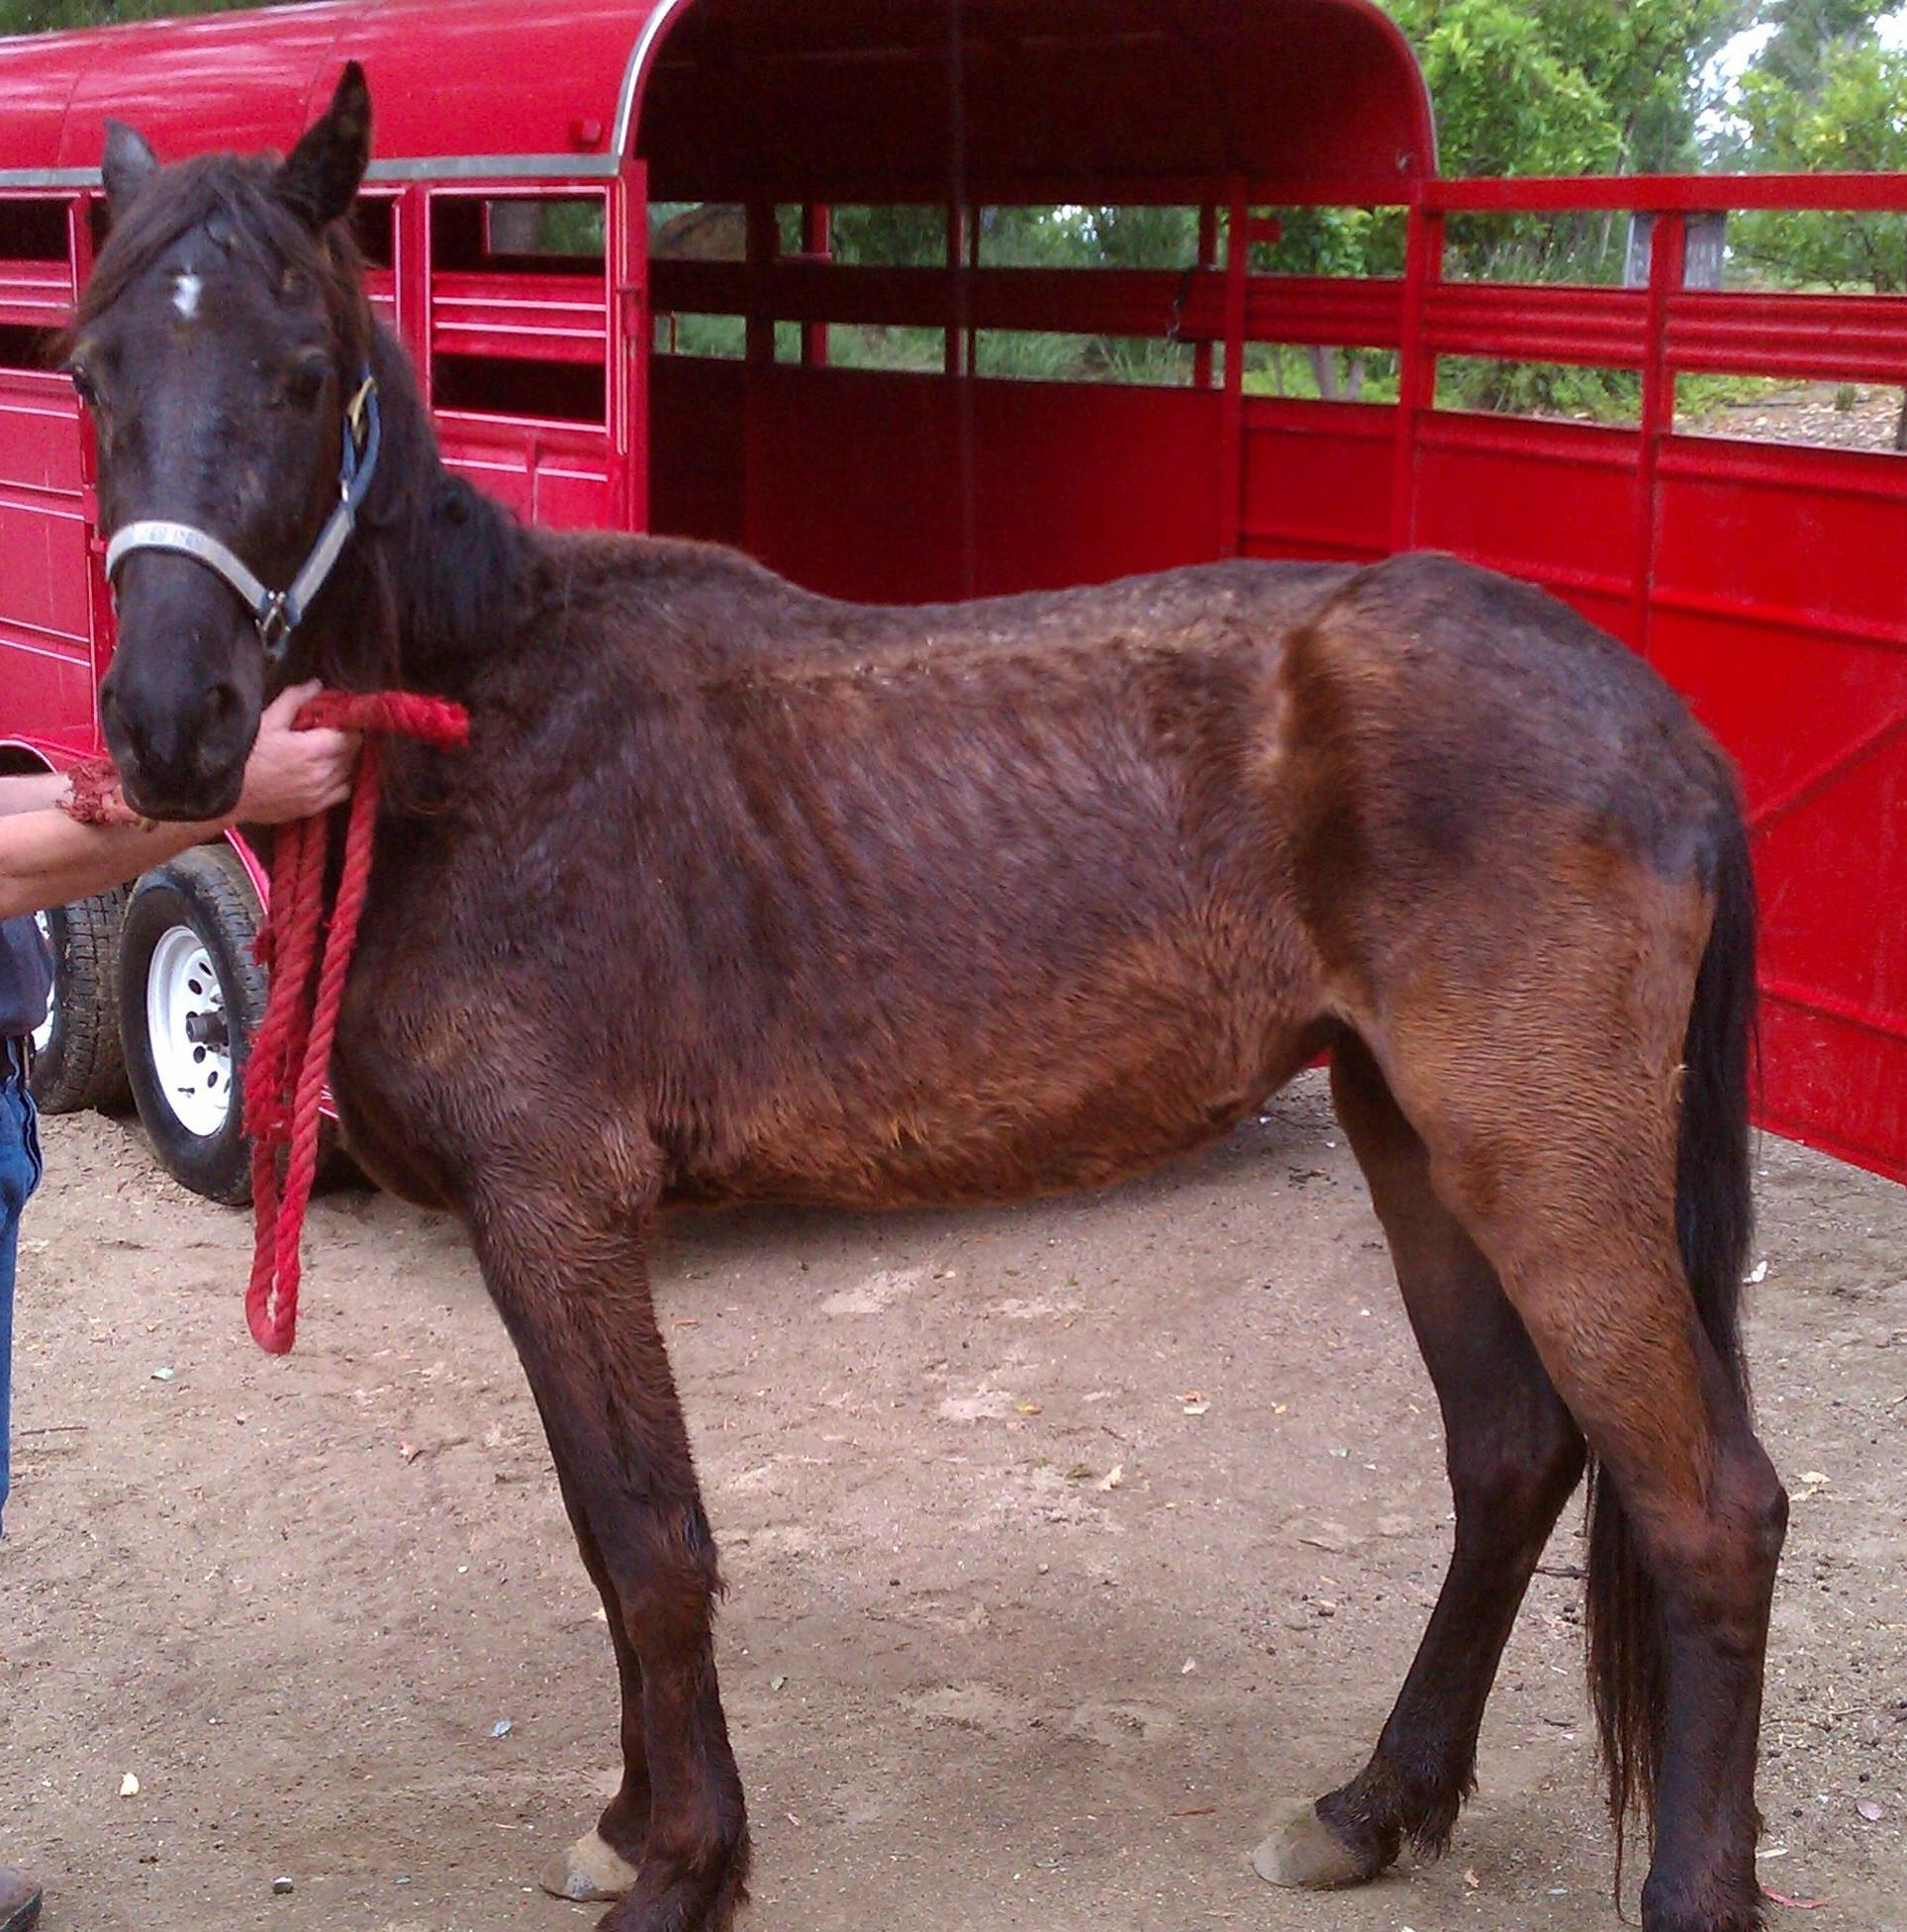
292	1050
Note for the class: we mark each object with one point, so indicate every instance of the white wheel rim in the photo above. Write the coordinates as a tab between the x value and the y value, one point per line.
194	1075
43	1032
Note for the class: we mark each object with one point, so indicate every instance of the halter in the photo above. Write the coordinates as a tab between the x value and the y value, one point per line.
276	613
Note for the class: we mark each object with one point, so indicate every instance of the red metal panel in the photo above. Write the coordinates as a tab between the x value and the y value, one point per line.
840	100
846	103
555	474
36	294
1552	502
1660	193
450	76
1836	1084
698	447
1069	484
1851	337
49	695
1600	326
38	434
46	567
1317	479
43	566
1769	613
536	318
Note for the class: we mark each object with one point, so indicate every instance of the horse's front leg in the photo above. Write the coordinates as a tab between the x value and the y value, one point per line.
569	1274
603	1862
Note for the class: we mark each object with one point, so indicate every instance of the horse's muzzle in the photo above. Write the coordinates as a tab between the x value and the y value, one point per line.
183	759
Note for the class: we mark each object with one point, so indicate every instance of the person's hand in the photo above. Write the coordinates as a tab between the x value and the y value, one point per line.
294	774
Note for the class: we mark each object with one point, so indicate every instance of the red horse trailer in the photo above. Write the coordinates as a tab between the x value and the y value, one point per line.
523	145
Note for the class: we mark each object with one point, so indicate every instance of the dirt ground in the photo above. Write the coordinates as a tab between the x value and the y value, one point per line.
1067	1547
1825	414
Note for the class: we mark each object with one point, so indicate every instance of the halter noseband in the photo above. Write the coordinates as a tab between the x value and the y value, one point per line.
276	613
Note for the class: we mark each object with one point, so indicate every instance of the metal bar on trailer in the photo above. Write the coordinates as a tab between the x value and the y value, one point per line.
1670	193
634	343
1668	259
1231	418
1207	256
764	245
957	345
817	245
1416	367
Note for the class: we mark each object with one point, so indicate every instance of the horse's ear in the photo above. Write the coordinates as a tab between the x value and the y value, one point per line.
128	164
320	179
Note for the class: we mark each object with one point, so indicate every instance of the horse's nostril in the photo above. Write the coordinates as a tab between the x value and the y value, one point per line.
224	705
222	716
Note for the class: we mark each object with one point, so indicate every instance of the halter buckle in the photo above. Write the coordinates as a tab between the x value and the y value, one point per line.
275	624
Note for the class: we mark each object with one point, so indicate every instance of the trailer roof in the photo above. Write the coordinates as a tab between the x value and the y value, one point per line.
797	99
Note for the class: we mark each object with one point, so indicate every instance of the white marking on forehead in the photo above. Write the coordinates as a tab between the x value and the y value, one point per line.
185	296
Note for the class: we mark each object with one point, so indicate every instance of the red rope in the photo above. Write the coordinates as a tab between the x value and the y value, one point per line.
308	964
93	795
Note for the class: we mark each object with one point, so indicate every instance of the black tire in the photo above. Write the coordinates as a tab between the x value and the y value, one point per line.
198	906
77	1061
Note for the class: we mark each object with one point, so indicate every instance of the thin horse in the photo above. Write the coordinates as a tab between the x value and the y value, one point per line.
742	893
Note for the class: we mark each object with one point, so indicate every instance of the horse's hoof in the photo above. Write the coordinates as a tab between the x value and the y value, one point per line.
589	1870
1306	1851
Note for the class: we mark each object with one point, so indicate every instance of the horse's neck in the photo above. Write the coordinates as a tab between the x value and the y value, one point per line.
437	582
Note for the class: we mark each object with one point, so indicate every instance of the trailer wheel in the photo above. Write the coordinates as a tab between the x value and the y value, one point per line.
191	996
76	1060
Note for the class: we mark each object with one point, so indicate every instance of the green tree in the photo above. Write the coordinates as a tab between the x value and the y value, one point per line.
1826	96
1807	33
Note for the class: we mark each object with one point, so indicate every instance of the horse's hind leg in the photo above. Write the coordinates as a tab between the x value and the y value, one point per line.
1688	1515
1591	1133
565	1263
1513	1455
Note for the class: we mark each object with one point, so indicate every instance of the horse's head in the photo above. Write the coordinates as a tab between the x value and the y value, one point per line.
222	347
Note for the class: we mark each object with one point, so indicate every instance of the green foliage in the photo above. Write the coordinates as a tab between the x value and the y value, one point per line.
1851	114
1806	33
42	16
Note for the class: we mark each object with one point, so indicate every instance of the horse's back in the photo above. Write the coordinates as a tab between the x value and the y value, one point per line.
963	901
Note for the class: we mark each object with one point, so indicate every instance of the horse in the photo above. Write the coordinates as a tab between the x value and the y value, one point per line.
740	894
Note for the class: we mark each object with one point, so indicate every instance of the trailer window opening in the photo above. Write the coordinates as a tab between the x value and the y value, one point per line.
888	235
490	386
698	231
1073	236
374	228
1823	251
1052	355
551	231
723	339
33	231
555	234
23	347
1577	248
877	346
1301	371
1816	414
1564	392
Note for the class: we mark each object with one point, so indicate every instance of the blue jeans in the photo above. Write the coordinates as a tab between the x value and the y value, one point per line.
19	1176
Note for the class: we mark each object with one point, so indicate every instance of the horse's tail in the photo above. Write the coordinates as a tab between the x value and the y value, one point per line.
1714	1219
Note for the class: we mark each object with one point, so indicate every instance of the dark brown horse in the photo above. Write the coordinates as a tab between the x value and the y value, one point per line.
746	895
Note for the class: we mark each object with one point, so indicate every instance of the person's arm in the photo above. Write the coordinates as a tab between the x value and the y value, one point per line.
47	859
32	791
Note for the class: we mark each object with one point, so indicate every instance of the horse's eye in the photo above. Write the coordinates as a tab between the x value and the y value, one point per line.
83	384
305	381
